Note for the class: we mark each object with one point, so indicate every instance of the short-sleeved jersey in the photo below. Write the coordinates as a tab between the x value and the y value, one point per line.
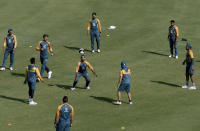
31	73
45	52
173	32
64	112
82	67
126	76
94	25
189	57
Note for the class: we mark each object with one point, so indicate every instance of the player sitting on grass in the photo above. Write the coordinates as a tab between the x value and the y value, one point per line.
30	76
64	116
189	67
81	70
124	83
43	47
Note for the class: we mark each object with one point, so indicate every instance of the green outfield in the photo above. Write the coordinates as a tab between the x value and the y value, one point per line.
140	39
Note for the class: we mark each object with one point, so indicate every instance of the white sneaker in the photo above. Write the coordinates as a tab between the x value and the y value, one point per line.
2	68
49	74
98	50
185	86
170	56
176	57
88	88
11	68
93	51
130	103
32	103
192	88
73	88
117	102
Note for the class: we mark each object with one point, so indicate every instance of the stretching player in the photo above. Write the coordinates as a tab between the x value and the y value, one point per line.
43	47
9	46
189	67
124	83
94	29
30	76
81	70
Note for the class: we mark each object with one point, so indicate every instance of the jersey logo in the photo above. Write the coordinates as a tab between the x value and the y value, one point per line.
66	110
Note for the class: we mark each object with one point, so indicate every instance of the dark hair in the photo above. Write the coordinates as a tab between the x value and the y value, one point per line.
32	60
94	13
172	21
82	56
45	35
65	99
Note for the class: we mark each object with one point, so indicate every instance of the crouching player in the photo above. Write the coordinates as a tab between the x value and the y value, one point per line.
64	116
124	83
81	70
189	67
30	76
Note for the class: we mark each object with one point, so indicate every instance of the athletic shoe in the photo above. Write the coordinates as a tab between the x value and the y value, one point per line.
32	103
117	102
93	51
88	88
11	68
73	88
2	69
176	57
49	74
170	56
98	50
192	88
185	86
130	102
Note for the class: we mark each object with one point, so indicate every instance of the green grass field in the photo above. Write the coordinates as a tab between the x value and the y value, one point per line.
140	39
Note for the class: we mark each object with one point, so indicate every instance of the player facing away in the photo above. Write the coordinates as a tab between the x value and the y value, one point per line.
44	46
173	38
124	83
189	67
94	29
81	70
64	116
9	46
30	76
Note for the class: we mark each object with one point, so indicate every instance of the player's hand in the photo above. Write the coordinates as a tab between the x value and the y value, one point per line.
25	82
183	63
88	32
55	125
52	54
192	67
71	125
100	34
42	49
95	74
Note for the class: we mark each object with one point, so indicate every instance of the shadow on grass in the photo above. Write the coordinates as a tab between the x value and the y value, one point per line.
75	48
104	99
18	74
166	83
14	99
154	53
66	87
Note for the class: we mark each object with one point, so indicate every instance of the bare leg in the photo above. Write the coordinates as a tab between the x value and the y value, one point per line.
129	96
119	95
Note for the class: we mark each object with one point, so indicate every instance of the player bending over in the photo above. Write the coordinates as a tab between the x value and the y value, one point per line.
64	116
81	70
30	76
189	67
124	83
43	46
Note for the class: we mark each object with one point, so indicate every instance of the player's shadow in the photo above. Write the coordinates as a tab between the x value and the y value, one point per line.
154	53
104	99
75	48
166	83
17	74
66	87
14	99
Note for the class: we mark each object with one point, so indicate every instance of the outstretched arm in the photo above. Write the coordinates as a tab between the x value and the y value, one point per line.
88	29
50	49
15	40
91	68
38	74
25	76
38	48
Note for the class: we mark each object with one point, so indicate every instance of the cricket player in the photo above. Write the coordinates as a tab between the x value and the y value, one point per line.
44	46
124	83
64	116
94	29
9	46
81	70
30	76
173	35
189	67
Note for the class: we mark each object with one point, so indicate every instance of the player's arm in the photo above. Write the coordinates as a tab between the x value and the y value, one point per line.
57	117
77	69
15	41
120	79
99	26
38	74
38	48
4	44
89	26
72	116
91	68
50	49
177	32
192	59
168	33
26	75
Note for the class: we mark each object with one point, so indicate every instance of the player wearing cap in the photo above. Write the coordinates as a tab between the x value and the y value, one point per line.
124	83
94	29
9	46
189	67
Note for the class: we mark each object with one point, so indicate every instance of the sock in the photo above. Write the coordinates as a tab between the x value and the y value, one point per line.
74	84
193	84
187	83
87	83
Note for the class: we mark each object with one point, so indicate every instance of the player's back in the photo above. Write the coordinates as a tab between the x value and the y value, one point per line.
126	75
31	73
65	112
